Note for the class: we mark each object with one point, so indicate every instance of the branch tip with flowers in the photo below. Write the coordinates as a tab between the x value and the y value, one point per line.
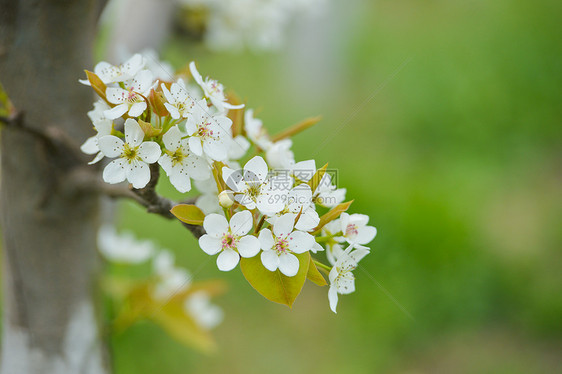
267	212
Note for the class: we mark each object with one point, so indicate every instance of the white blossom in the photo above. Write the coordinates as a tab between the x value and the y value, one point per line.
198	306
230	240
342	280
280	246
111	74
355	230
208	133
213	90
255	130
179	163
123	248
302	171
180	103
299	204
131	99
279	154
328	195
253	189
133	154
170	279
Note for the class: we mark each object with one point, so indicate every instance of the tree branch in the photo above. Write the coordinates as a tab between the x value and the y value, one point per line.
86	180
53	137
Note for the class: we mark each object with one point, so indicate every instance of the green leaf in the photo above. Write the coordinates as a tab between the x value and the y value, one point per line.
188	213
168	314
314	275
172	317
273	285
332	215
148	129
317	177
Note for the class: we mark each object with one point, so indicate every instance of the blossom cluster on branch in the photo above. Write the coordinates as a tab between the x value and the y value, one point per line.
258	205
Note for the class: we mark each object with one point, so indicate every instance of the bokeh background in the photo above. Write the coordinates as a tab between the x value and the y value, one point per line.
444	121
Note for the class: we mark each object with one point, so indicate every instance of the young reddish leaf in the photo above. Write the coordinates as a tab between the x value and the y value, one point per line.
97	84
157	103
314	275
149	130
188	213
295	129
273	285
317	177
332	215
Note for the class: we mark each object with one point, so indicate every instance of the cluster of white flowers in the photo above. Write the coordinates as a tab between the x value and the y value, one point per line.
269	207
169	280
258	24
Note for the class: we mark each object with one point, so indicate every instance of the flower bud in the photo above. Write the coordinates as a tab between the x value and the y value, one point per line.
226	198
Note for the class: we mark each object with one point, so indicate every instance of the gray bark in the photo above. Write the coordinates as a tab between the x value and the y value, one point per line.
49	232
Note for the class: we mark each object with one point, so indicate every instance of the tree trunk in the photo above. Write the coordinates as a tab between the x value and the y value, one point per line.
49	232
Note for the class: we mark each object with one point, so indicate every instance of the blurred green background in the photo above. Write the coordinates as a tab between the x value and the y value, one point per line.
443	119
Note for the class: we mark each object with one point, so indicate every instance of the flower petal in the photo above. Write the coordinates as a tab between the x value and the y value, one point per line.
266	239
270	260
166	162
96	159
241	223
255	170
233	179
116	111
133	133
137	109
195	74
210	245
195	145
149	152
365	234
174	112
214	149
115	95
215	225
284	225
300	242
90	146
138	174
110	146
197	167
308	220
172	139
115	171
180	179
288	264
248	246
227	260
333	298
